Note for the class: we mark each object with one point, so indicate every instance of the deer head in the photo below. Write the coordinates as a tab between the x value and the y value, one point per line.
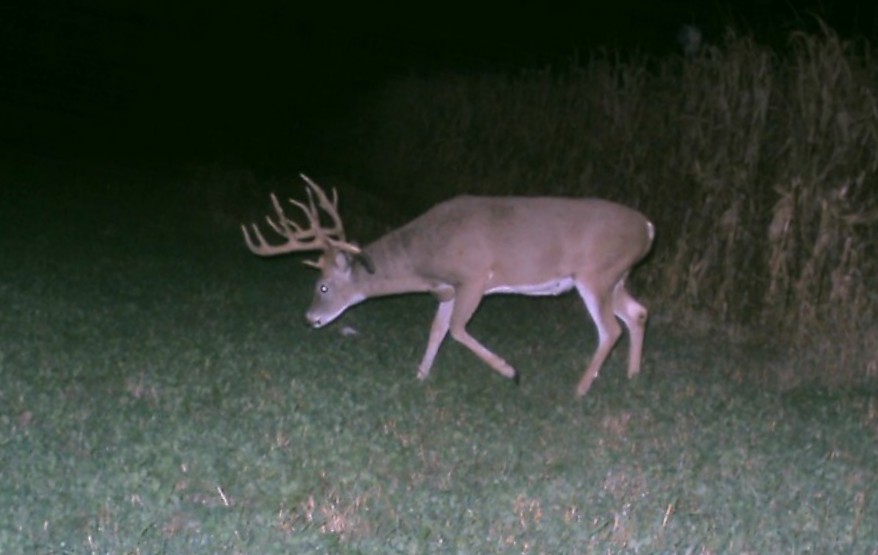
334	291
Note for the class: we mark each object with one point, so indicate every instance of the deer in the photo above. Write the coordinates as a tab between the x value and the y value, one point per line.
465	248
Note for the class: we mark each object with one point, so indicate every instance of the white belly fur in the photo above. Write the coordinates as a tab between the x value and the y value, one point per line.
552	287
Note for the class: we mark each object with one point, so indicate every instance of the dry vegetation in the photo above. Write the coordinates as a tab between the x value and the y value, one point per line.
759	168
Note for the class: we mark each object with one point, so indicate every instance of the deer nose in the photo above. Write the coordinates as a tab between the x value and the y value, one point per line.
313	320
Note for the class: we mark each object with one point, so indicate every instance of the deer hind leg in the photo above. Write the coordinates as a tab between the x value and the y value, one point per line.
467	299
437	334
599	303
634	315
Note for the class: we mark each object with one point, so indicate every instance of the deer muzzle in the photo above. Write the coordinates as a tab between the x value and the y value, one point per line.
314	320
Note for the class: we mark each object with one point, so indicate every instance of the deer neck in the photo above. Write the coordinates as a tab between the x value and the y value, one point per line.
394	272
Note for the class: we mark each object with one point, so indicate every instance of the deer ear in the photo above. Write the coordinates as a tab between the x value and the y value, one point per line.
366	261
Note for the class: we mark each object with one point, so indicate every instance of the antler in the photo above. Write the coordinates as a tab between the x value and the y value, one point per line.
314	237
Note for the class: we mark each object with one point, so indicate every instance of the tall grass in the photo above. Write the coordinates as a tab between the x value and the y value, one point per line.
759	168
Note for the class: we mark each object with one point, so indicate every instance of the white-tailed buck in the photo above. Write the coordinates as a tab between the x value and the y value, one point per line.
469	247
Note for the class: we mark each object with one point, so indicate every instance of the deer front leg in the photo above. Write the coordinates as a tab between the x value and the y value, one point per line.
467	300
437	334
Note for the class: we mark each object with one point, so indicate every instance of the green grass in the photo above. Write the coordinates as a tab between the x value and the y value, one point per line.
159	393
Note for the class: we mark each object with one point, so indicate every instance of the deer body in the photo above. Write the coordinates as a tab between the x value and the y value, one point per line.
469	247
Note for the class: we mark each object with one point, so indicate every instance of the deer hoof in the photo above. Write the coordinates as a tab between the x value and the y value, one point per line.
583	388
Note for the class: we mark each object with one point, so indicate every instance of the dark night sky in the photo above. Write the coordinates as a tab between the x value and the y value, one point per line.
162	79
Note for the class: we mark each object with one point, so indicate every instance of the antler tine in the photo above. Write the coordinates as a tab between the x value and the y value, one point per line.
252	245
328	206
311	213
284	226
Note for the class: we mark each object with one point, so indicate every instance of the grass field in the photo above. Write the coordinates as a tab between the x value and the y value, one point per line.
159	393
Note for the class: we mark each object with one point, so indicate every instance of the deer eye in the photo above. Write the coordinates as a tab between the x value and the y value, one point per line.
323	288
